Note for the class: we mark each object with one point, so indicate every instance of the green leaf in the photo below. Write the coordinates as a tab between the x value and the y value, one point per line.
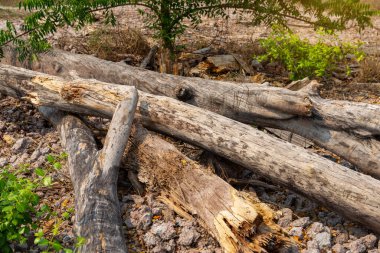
50	159
40	172
57	246
66	215
57	165
47	181
42	242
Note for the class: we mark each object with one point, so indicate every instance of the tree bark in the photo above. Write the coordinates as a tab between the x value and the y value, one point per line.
248	103
350	193
239	221
94	175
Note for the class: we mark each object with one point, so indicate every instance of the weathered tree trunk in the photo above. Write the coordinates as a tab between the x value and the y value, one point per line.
361	151
350	193
248	103
94	175
239	221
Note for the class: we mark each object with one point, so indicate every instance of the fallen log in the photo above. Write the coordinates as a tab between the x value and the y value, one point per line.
365	152
247	103
241	102
239	221
350	193
94	175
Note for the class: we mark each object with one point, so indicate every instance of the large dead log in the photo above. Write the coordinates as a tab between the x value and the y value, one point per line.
362	152
350	193
239	221
94	175
248	103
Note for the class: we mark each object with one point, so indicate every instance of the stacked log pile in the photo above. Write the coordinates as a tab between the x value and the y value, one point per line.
214	116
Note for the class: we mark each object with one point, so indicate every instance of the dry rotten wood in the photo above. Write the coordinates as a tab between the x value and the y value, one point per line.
248	103
94	175
243	102
350	193
239	221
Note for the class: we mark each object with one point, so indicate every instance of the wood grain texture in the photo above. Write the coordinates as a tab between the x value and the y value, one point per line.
350	193
239	221
248	103
94	175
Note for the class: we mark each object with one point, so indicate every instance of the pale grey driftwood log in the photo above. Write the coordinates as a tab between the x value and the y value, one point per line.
350	193
94	175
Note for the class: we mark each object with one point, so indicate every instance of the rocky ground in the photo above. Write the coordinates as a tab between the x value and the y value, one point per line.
26	138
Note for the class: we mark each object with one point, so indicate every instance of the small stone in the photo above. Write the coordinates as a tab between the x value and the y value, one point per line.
296	231
301	222
338	248
158	249
333	219
316	228
2	125
256	65
138	199
68	239
164	230
188	236
341	238
323	240
13	159
311	251
45	151
357	232
151	240
357	246
35	155
373	251
312	245
3	161
170	246
140	218
286	217
369	241
205	50
22	144
145	221
156	211
223	63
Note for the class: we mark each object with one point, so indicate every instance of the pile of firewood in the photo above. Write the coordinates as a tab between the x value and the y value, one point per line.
210	114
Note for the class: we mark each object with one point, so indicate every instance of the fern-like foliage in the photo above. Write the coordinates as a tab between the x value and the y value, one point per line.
165	16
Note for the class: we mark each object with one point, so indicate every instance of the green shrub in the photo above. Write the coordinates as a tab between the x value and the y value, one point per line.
305	59
20	207
18	203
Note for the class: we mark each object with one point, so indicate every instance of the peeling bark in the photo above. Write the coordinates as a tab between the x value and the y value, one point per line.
94	175
350	193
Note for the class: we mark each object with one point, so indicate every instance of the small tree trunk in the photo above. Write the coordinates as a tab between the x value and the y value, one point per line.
94	176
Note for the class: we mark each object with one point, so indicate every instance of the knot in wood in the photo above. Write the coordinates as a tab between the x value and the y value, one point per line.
184	94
